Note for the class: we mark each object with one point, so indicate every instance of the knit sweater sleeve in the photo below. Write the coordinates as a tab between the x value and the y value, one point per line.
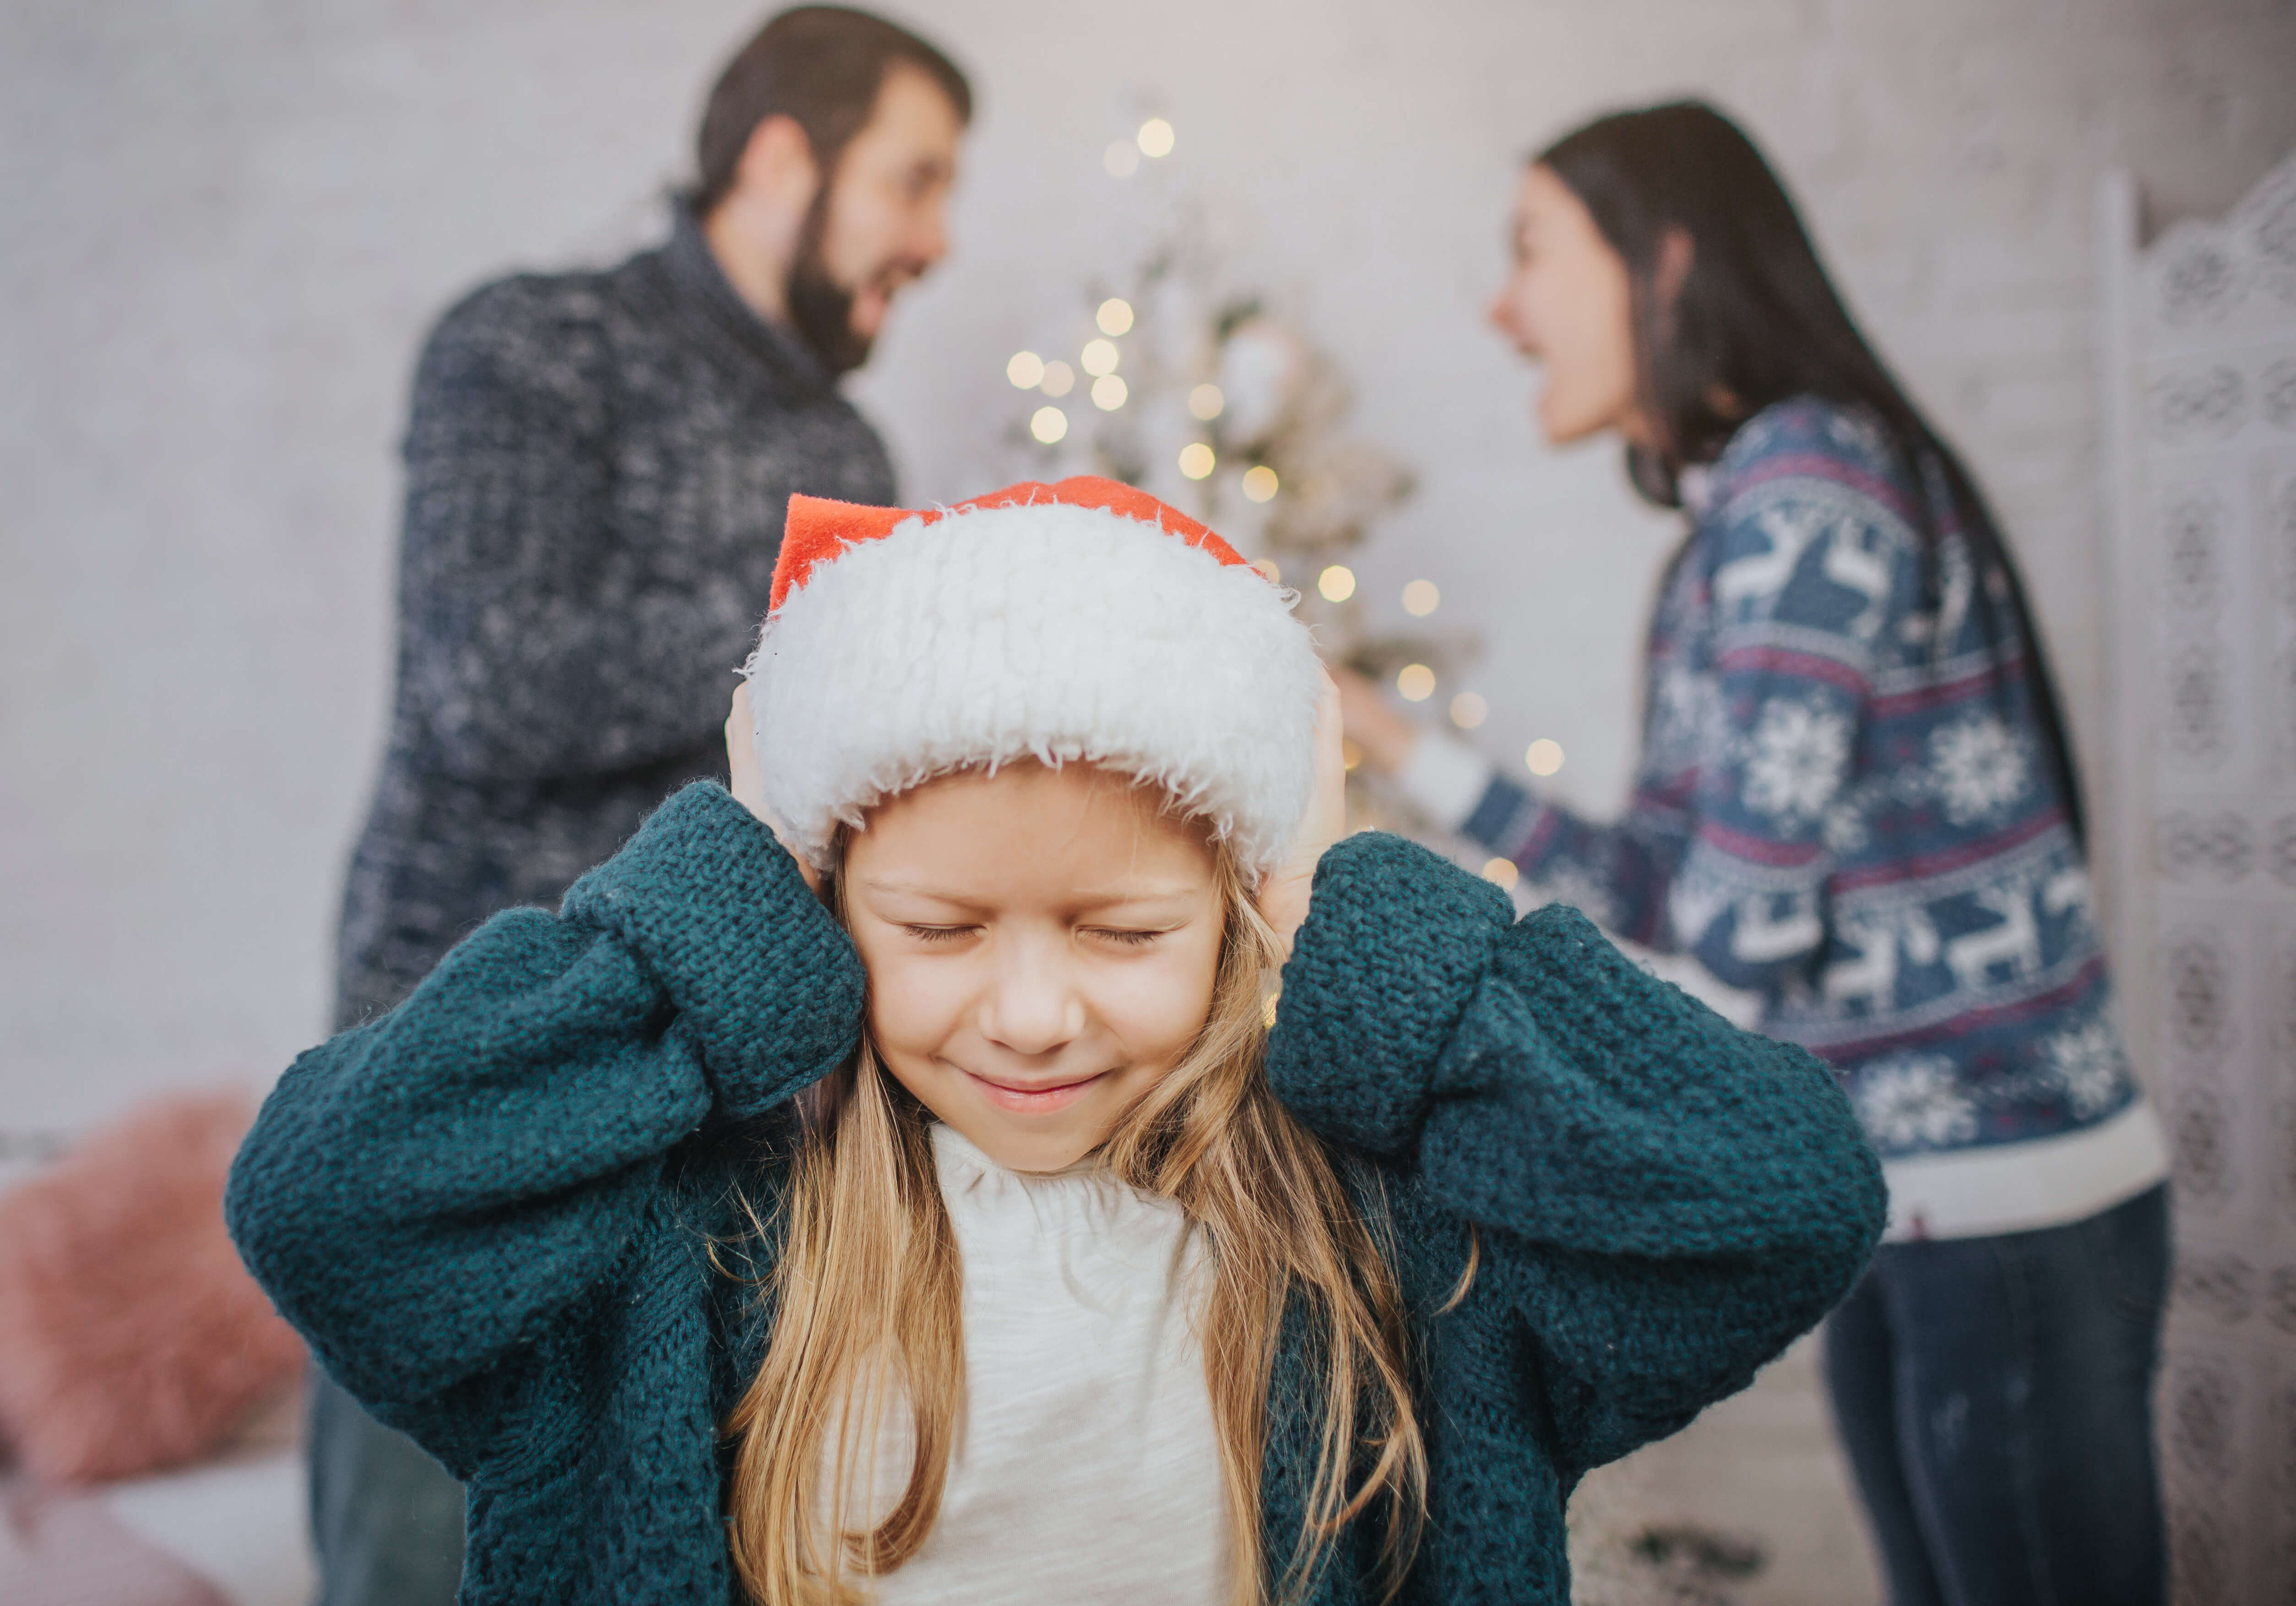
1662	1201
539	638
1811	570
1616	871
434	1198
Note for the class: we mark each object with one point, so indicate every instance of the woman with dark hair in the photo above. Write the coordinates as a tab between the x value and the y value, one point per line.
1855	798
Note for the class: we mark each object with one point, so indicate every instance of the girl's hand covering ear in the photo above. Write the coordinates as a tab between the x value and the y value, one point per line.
1385	735
747	782
1284	896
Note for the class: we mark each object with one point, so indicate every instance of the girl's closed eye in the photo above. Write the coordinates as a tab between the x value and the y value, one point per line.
1125	936
940	934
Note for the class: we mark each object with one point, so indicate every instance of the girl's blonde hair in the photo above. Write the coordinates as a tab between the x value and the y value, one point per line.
867	1296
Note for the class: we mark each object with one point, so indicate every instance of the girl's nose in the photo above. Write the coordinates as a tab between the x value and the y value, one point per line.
1033	1008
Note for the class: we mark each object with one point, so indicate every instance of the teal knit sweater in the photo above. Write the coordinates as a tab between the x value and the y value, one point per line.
491	1211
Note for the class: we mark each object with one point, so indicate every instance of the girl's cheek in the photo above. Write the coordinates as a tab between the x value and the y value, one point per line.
1171	1007
910	1008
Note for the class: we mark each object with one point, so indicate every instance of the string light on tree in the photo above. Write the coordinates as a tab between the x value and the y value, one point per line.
1467	711
1420	599
1187	370
1544	756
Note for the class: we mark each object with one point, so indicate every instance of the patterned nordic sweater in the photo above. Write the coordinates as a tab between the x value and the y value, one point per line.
492	1210
597	465
1843	804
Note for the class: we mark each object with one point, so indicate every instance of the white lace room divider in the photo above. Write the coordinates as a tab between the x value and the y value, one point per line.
2201	487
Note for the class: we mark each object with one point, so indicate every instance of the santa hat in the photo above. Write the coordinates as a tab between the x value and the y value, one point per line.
1084	620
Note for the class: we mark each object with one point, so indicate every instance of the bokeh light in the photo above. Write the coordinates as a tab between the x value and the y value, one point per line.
1099	357
1155	137
1544	756
1049	425
1114	317
1026	370
1206	402
1337	583
1415	683
1196	460
1108	393
1469	710
1260	483
1270	568
1059	379
1122	159
1501	874
1420	599
1351	752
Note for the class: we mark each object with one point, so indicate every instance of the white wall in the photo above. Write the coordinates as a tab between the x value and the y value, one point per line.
223	228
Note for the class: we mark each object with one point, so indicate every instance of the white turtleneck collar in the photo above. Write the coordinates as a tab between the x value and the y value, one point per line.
1088	1467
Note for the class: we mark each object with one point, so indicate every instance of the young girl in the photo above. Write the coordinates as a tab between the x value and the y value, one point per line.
883	1182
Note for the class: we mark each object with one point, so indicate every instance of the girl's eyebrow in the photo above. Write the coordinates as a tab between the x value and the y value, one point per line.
1141	892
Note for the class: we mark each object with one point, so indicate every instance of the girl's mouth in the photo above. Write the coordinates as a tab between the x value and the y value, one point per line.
1032	1100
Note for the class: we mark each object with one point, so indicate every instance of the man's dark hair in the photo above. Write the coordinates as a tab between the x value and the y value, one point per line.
822	66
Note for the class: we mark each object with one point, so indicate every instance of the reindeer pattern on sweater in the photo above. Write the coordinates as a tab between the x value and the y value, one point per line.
1845	803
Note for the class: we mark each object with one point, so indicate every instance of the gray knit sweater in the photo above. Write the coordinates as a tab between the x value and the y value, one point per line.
597	467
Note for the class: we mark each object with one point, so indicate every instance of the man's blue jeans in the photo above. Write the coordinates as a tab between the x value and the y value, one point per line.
1995	1396
386	1518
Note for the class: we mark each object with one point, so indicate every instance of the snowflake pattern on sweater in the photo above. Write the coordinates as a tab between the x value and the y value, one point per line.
1844	804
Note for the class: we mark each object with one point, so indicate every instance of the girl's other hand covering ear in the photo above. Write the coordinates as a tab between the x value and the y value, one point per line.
1284	896
747	782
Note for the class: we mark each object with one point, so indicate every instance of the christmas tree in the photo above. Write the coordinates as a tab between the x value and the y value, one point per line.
1165	375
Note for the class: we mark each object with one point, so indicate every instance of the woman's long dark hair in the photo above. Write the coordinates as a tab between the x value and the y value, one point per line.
1755	321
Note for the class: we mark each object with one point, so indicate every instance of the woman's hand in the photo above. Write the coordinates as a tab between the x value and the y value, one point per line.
1284	896
1385	736
747	782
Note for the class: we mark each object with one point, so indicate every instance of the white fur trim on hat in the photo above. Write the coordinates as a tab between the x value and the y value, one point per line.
1050	631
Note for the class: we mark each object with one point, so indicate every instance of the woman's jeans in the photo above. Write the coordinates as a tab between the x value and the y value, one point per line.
1995	1396
386	1520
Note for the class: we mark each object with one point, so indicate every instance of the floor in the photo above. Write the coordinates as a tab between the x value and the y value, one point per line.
1758	1476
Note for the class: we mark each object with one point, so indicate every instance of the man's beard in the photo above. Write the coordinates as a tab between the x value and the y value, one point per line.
820	308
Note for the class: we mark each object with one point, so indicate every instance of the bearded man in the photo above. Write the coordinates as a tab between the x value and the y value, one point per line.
597	465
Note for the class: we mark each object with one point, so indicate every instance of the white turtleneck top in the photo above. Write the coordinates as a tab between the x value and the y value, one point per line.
1086	1468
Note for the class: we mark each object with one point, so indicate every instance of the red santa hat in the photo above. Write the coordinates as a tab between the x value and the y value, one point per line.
1082	622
